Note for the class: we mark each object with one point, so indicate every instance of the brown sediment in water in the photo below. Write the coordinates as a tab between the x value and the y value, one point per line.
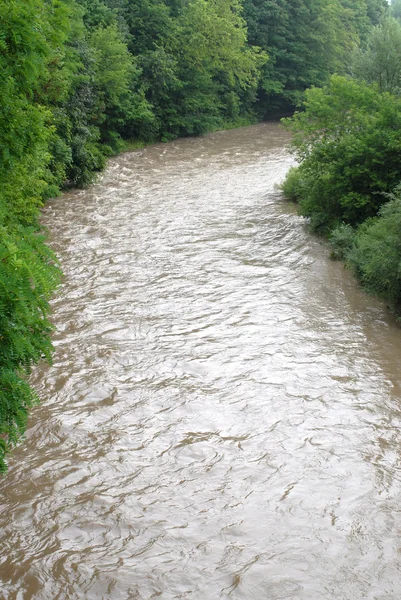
223	413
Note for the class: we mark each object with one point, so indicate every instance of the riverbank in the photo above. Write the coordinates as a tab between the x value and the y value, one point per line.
347	184
132	145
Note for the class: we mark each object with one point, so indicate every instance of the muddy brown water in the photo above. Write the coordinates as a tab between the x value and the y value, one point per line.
222	419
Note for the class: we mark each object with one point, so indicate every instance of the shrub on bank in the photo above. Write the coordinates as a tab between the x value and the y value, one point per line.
375	256
341	240
292	186
348	144
28	277
349	148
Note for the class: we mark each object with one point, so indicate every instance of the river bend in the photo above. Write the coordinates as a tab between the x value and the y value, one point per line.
222	419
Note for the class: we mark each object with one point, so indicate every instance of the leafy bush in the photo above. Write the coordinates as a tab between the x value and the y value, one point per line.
376	254
342	239
292	185
28	277
348	144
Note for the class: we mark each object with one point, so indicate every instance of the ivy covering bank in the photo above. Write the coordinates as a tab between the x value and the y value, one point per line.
81	77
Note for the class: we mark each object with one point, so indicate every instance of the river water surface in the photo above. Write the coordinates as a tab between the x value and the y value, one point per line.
222	419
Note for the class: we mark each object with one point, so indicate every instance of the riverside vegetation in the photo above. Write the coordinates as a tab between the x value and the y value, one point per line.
82	78
348	143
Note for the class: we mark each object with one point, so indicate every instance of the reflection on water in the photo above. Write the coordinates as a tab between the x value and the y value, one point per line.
222	419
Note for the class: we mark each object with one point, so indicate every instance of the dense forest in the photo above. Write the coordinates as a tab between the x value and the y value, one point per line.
85	79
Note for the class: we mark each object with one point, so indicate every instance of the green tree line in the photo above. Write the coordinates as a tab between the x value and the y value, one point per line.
80	78
348	144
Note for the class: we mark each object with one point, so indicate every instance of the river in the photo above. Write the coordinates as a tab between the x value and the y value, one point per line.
222	419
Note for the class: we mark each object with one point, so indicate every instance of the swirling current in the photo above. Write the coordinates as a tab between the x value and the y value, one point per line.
222	418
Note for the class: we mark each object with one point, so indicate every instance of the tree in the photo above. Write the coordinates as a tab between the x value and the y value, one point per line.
348	144
28	273
215	65
307	41
395	9
380	62
121	106
197	69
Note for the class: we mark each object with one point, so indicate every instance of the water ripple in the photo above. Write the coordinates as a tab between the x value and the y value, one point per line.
222	417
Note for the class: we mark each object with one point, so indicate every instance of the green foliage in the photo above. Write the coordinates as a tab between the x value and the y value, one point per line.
377	9
347	141
341	240
121	107
28	276
307	41
380	62
197	69
28	273
214	64
395	9
292	185
375	256
349	148
97	14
